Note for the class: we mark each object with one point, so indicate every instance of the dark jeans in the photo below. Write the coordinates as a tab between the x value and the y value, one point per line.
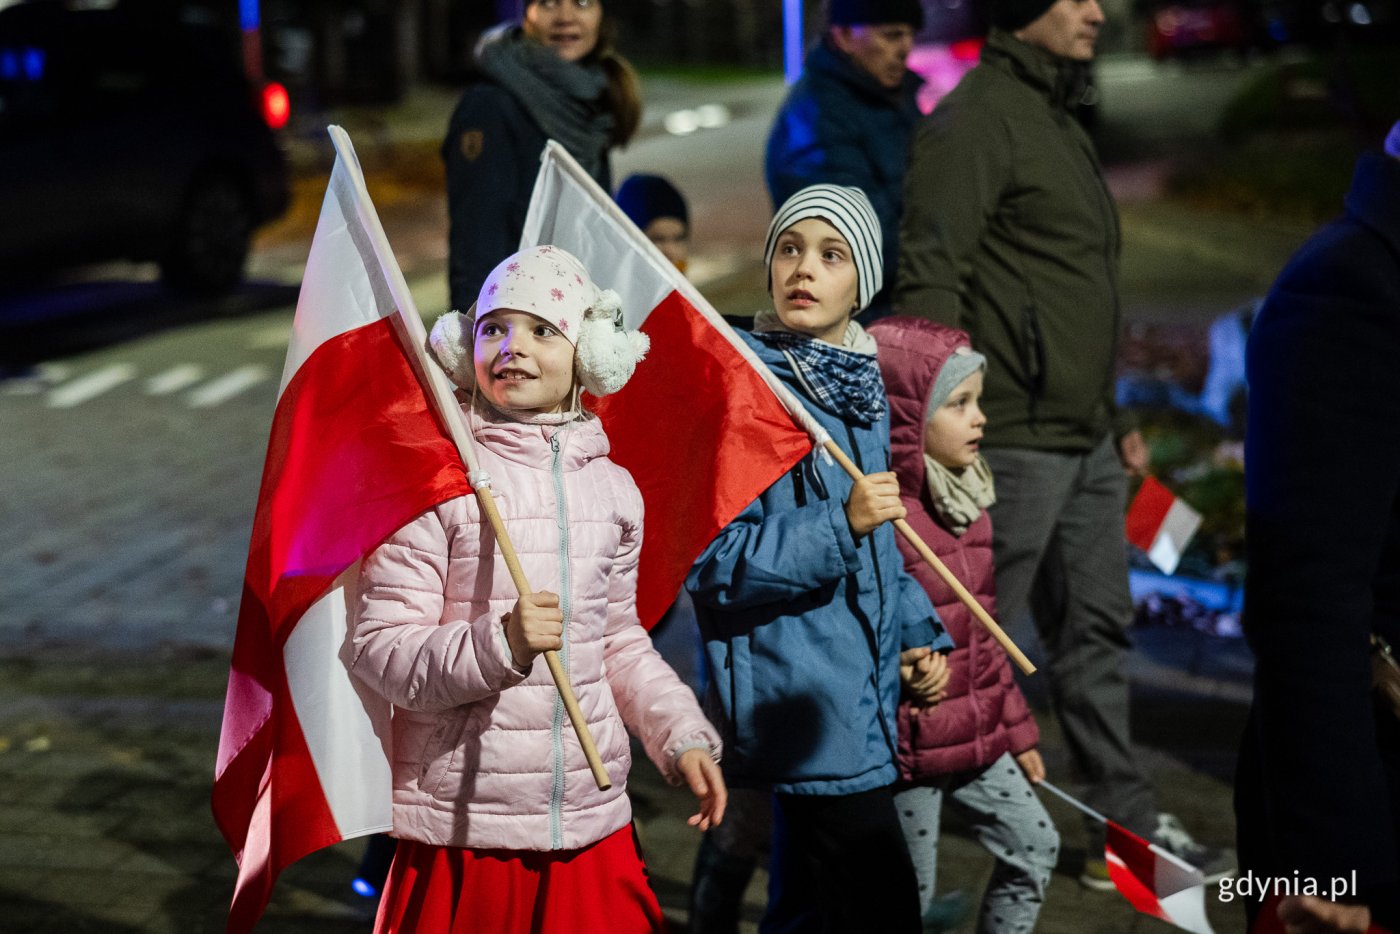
840	865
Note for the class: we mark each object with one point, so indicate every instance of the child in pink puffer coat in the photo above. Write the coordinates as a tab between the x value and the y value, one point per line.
976	750
501	826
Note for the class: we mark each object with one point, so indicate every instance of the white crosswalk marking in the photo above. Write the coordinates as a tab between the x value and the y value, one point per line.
90	386
227	386
271	337
174	379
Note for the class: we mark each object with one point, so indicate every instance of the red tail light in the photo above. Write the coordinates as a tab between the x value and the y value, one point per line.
276	106
966	50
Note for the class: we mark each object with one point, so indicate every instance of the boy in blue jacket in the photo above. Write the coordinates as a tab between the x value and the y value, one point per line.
803	602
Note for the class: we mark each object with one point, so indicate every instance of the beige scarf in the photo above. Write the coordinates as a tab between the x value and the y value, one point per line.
959	496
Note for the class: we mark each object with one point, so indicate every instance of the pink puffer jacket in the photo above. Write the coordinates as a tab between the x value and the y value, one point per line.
485	756
984	713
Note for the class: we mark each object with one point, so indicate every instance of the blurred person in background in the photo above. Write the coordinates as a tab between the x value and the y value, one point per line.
554	75
659	210
1010	233
849	118
1317	794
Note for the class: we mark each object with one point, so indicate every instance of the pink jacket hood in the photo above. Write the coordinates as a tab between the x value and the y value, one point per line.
483	754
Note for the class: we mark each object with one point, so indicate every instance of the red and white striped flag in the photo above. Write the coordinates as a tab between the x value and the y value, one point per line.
357	449
1156	882
1161	524
702	426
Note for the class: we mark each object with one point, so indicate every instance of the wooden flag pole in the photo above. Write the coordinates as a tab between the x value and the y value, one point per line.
942	571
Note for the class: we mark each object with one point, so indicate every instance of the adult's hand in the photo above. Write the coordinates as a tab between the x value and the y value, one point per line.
1308	914
1132	451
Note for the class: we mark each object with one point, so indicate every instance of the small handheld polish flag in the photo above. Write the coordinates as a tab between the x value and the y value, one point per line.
1161	524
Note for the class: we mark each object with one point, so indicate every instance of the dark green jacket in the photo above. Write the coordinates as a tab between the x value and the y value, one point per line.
1010	233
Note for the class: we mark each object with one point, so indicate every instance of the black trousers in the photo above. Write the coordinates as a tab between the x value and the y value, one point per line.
840	865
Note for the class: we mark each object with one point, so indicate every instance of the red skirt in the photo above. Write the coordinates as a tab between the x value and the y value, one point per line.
454	890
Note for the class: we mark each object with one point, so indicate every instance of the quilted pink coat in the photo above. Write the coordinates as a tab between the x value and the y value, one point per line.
483	755
984	713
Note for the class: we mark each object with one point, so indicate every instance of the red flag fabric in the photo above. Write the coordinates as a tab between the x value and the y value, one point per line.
357	449
700	426
1160	524
1154	881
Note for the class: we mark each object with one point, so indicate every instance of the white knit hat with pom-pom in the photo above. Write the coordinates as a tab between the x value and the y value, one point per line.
552	285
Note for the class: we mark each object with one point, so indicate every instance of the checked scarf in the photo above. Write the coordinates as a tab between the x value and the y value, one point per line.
843	380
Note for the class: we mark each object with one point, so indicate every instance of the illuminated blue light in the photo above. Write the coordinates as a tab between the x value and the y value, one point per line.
363	888
248	15
9	65
34	64
792	40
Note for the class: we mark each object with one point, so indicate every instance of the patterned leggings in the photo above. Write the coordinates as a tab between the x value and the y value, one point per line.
1010	822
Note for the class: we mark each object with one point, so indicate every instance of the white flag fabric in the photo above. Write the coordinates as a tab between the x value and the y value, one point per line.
357	449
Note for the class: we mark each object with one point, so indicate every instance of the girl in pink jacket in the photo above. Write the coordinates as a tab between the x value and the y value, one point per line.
501	827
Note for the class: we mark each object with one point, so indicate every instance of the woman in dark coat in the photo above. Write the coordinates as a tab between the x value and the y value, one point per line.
555	76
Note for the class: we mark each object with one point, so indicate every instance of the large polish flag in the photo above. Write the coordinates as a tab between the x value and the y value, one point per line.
1156	882
703	426
357	449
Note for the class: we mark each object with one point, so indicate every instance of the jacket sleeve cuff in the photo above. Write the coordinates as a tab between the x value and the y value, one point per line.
710	745
845	539
493	655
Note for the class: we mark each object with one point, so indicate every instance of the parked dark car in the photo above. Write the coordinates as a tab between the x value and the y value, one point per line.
129	131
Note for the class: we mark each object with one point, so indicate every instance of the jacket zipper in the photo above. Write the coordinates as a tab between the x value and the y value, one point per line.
556	801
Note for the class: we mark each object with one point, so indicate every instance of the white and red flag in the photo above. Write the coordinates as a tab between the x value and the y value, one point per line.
703	426
1155	881
357	449
1161	524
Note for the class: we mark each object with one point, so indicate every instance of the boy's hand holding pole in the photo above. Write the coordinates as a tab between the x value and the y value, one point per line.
866	511
874	500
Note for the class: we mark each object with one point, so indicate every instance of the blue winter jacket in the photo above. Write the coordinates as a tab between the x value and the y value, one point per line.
803	625
841	126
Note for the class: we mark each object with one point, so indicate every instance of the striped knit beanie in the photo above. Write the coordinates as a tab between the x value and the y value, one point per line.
850	212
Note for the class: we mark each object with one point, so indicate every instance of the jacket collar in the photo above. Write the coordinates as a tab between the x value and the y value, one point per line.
580	441
1374	197
827	60
1060	81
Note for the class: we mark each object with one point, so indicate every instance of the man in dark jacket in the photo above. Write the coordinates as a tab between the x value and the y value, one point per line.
849	118
1010	233
1318	790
